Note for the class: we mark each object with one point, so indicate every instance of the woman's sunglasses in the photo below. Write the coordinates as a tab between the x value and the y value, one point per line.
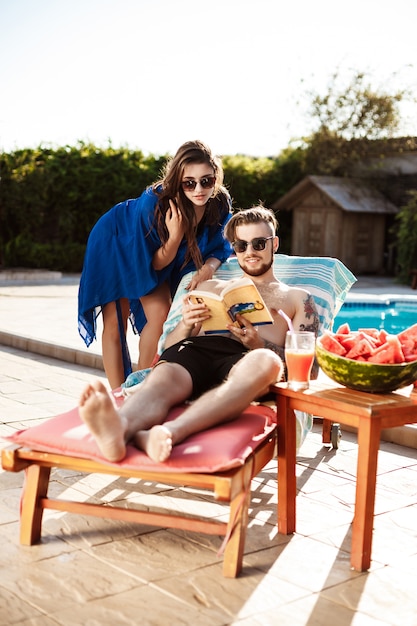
257	244
207	182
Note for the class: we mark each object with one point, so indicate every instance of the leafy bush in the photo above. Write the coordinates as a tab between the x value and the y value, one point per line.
407	238
51	198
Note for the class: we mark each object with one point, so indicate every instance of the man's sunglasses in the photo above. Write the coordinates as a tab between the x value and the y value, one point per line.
257	244
207	182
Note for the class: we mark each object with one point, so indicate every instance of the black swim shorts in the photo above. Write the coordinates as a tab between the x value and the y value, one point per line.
208	359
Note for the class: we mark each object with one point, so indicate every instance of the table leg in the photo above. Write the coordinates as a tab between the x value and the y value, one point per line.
369	432
287	484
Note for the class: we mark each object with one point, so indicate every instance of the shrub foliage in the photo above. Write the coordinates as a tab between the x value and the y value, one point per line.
51	198
407	238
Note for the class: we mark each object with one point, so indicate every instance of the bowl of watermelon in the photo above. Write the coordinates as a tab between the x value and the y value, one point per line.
369	359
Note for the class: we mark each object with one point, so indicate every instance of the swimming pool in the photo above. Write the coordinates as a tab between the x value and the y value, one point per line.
393	315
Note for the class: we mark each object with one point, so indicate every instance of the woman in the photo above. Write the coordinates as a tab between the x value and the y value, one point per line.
138	251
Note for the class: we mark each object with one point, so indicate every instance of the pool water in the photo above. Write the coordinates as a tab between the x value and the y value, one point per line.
391	315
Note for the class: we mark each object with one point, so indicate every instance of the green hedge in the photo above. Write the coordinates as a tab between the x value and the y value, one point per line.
51	198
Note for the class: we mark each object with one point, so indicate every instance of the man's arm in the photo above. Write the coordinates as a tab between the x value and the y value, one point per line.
307	318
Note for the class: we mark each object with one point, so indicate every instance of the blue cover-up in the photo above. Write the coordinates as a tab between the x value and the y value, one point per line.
118	260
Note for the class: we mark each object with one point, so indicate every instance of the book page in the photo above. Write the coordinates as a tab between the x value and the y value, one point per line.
219	316
242	296
247	301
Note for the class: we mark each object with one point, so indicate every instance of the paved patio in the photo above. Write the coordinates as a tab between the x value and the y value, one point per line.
92	571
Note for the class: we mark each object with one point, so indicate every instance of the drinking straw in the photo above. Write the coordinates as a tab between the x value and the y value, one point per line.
290	326
287	319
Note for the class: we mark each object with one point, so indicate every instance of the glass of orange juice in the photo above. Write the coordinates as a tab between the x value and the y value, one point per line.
299	357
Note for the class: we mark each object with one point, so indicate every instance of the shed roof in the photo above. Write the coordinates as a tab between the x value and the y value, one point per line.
349	194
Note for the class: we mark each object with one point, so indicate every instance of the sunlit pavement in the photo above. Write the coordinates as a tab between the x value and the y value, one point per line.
93	571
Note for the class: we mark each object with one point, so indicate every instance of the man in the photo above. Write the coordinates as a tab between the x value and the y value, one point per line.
221	374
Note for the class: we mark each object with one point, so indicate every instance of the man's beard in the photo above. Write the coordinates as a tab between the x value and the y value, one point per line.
258	271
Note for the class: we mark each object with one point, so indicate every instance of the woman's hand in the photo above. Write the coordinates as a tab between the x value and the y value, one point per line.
204	273
173	222
166	253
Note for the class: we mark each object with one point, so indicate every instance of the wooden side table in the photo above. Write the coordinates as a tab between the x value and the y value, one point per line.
369	413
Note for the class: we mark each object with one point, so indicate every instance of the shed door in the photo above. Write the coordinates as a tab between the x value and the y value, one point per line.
316	232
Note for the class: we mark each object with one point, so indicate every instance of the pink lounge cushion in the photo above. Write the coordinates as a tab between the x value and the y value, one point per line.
220	448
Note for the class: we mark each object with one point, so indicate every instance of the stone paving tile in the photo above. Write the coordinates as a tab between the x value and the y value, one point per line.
313	609
262	592
388	591
99	571
145	605
15	610
161	554
78	582
307	563
13	552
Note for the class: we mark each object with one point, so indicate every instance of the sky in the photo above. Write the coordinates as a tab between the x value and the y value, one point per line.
152	74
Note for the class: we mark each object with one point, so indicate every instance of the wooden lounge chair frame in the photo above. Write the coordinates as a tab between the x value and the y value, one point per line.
231	487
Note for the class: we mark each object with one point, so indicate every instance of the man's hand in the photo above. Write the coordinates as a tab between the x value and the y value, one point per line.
193	314
247	334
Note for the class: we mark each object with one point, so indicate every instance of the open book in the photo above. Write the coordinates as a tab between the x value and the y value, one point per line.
242	296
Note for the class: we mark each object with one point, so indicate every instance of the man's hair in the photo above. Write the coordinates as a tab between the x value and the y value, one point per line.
253	215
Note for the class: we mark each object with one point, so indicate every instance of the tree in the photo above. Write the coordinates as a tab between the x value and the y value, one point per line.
407	238
353	122
358	111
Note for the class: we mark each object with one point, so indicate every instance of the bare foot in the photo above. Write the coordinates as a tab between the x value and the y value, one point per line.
156	442
98	412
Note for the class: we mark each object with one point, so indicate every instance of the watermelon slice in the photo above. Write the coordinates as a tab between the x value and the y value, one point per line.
347	341
332	345
407	346
344	329
371	332
383	334
389	352
363	335
409	333
362	348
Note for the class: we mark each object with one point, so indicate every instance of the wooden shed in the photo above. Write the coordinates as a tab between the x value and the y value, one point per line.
339	217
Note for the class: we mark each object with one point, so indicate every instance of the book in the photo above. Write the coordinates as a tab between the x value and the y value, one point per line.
241	296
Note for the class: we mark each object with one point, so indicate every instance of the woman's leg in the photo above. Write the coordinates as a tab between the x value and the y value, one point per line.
111	346
156	307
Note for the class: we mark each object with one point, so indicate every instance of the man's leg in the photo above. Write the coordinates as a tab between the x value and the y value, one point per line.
248	379
167	385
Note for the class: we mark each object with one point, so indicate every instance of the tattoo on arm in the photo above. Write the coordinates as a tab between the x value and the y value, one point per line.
311	314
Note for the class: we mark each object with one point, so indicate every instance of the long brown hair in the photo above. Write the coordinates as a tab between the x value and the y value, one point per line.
169	187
